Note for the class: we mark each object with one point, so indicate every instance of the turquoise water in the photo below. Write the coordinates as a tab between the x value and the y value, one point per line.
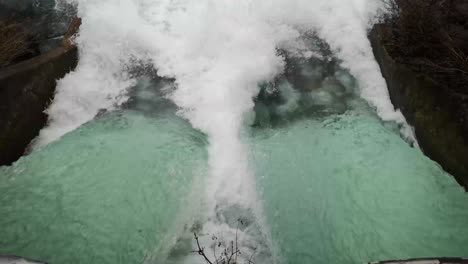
337	186
106	193
348	190
340	189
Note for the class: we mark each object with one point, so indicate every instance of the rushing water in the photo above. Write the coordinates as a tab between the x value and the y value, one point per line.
267	114
336	188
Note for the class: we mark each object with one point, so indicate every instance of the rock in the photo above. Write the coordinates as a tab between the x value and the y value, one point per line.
26	90
434	111
15	6
41	18
68	38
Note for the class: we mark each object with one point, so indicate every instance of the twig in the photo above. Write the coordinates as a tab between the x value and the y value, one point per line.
250	259
201	250
237	229
228	256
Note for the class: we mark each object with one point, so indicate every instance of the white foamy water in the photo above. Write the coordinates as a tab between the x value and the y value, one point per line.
230	45
218	51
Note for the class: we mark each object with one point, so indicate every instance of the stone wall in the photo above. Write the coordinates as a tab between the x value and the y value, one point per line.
431	109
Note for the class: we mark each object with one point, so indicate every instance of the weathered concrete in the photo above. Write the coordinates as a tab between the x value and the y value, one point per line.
432	110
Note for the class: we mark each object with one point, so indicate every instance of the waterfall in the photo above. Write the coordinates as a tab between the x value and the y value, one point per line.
218	52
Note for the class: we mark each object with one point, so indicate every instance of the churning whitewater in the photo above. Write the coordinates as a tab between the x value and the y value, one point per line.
217	52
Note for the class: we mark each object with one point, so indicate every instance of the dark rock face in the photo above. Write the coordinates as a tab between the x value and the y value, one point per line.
26	89
41	18
434	111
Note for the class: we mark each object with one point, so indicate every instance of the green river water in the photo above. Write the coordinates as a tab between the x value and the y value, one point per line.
336	188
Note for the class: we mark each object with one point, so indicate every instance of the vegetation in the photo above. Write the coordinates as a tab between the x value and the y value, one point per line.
16	44
432	36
